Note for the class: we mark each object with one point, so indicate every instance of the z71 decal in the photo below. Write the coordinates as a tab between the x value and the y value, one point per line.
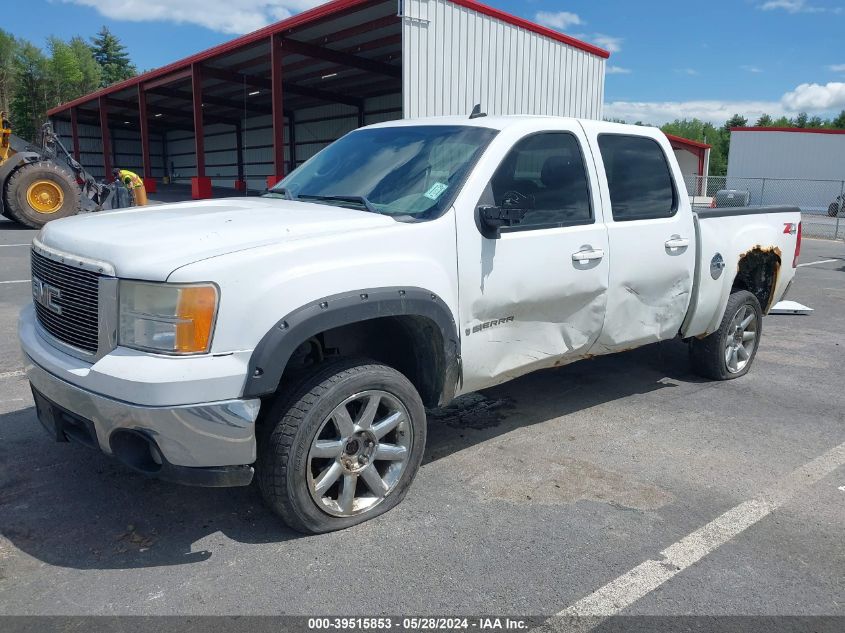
487	325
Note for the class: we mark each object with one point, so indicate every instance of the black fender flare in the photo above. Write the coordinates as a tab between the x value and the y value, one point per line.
271	355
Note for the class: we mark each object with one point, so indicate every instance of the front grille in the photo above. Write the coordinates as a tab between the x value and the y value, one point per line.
68	307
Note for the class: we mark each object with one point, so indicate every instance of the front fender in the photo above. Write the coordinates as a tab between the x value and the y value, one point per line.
271	356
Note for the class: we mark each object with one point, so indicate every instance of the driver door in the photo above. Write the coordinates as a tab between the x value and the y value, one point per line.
535	296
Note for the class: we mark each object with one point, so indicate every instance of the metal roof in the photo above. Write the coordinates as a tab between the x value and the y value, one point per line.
368	30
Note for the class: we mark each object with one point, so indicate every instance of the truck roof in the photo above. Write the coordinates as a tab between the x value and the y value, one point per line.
501	122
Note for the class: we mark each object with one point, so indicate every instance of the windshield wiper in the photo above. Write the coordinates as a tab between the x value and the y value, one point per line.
362	200
281	190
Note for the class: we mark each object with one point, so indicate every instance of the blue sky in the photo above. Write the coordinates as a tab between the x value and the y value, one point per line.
670	59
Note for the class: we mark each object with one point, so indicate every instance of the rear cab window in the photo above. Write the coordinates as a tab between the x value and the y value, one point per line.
638	178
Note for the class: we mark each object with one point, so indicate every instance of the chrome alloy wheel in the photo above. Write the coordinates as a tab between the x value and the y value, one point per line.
359	453
741	338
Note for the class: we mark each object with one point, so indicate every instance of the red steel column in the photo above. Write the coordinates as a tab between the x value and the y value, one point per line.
278	111
149	181
74	132
200	184
105	137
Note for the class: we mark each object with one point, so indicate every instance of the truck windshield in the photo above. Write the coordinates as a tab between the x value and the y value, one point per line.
400	171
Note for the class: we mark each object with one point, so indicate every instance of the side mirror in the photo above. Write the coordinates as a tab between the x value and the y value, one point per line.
514	207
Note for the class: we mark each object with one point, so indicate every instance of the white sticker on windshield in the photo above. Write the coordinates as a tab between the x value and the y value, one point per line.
435	191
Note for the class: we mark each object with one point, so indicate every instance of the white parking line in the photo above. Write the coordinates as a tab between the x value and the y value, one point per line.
622	592
12	374
16	281
821	261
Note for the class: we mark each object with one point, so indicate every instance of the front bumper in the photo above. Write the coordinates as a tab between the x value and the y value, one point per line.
210	444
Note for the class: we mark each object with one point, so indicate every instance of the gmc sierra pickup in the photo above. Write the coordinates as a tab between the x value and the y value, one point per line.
300	335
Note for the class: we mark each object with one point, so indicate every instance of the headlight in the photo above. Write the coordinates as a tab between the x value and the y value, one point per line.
169	318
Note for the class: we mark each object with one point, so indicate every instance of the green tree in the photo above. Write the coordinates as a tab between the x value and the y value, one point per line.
112	57
8	50
736	120
91	72
800	120
764	121
839	121
31	96
816	122
63	71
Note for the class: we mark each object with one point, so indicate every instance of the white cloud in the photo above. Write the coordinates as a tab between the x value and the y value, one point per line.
617	70
796	6
837	68
561	20
815	97
716	112
224	16
607	42
752	69
810	98
687	71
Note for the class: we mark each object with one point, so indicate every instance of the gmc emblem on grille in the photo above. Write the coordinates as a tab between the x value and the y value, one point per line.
46	295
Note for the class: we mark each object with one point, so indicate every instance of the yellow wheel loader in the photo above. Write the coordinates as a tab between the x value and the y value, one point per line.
35	188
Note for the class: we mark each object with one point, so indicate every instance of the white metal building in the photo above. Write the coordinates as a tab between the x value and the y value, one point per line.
776	165
246	112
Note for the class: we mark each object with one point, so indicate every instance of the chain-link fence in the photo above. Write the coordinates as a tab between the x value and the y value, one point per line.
821	201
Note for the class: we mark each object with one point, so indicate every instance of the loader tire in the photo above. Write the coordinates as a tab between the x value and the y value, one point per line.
39	192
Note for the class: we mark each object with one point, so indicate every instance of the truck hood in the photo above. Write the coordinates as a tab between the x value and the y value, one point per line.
152	242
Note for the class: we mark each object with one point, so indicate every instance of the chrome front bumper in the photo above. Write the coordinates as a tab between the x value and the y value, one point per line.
205	435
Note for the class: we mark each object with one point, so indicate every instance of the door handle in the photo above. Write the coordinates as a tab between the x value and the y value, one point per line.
588	255
677	242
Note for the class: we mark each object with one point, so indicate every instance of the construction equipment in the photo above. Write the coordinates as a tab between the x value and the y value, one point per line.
37	188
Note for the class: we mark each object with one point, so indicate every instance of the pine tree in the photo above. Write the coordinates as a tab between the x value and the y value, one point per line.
112	57
839	121
764	121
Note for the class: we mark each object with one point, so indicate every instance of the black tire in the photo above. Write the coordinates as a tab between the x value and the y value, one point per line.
710	355
18	207
292	422
833	209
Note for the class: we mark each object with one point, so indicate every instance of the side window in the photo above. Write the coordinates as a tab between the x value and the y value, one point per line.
638	177
549	169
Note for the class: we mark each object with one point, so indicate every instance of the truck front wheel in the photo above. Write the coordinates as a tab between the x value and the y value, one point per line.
341	447
729	352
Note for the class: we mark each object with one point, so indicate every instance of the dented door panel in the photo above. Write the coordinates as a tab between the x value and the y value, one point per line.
525	302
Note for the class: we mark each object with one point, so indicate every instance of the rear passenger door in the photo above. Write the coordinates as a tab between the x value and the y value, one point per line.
534	297
651	236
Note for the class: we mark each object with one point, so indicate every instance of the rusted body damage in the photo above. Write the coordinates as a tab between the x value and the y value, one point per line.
758	272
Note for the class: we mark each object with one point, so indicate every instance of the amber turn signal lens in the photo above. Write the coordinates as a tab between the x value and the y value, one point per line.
195	310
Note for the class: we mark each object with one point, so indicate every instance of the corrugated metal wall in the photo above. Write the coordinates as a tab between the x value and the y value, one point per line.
800	168
786	155
126	148
454	57
314	129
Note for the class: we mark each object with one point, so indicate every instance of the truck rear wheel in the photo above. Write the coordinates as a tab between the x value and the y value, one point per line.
341	447
729	352
39	192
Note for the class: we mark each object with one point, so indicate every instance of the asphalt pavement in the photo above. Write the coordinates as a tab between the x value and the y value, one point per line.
624	484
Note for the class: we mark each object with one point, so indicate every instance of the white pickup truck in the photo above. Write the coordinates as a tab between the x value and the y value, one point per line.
302	333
